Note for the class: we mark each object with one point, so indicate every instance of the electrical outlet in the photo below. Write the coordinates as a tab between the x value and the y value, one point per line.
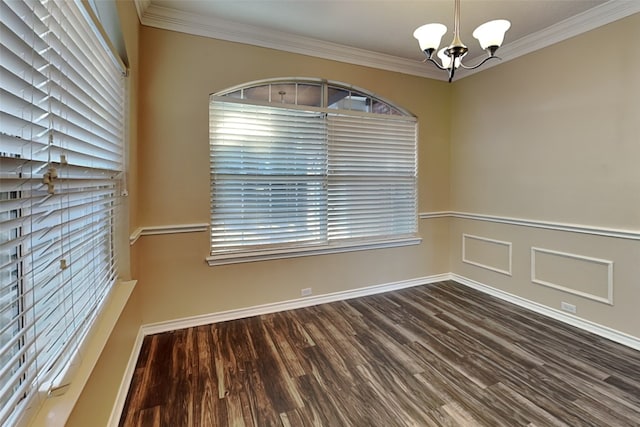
305	292
568	307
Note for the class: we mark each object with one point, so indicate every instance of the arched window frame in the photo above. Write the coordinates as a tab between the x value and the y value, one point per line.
353	187
269	92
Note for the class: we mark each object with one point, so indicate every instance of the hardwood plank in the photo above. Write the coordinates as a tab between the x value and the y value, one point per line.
149	417
522	410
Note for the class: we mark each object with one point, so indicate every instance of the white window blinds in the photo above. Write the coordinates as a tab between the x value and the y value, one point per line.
287	177
61	130
268	176
371	177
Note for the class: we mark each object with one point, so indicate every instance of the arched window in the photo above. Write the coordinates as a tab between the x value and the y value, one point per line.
308	166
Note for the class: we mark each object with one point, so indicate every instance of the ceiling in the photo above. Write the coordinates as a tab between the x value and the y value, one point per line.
379	33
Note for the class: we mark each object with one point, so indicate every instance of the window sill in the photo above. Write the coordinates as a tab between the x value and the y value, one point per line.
264	255
55	407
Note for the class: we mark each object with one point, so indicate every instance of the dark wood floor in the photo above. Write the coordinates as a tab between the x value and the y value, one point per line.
435	355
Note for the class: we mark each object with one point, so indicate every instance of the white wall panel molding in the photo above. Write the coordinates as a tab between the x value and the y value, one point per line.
506	246
166	229
548	225
570	319
571	265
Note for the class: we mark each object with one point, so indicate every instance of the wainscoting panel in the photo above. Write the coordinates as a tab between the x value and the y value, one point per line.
490	254
586	272
576	274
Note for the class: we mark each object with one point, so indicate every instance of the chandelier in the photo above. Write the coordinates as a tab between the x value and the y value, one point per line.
490	35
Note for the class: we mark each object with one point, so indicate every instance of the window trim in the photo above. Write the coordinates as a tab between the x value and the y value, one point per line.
294	252
311	80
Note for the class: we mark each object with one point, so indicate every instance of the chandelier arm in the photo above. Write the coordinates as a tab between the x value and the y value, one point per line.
450	70
435	63
473	67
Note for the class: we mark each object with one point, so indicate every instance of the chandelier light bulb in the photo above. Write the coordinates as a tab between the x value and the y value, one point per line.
429	36
446	59
491	33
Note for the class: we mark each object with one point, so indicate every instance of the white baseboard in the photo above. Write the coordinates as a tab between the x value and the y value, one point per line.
118	406
223	316
586	325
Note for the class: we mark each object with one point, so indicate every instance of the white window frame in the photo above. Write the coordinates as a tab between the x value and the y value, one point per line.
270	98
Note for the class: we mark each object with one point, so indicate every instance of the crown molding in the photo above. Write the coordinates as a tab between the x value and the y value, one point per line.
588	20
189	23
141	7
171	19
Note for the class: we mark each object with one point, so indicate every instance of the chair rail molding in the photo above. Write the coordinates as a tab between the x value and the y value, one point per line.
548	225
166	229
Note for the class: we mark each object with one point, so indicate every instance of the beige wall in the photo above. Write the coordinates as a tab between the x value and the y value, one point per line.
179	72
555	136
550	136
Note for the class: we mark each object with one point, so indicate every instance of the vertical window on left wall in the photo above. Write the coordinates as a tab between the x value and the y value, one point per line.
61	166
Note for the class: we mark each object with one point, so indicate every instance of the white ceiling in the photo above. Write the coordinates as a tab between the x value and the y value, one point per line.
379	33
